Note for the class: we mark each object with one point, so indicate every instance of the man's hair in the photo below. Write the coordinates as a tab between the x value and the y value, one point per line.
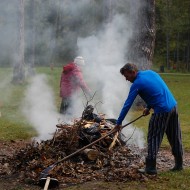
128	67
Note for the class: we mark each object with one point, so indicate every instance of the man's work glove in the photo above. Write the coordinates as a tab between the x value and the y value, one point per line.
117	128
146	111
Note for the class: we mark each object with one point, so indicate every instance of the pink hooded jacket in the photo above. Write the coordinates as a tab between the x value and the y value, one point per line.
71	80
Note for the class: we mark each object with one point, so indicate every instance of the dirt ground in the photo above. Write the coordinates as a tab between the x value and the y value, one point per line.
164	162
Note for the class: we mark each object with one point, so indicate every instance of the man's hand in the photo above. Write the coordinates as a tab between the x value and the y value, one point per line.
146	111
117	128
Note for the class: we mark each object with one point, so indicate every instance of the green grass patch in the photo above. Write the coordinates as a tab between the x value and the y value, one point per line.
165	181
14	126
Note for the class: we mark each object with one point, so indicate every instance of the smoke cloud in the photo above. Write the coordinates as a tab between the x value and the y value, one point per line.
105	52
5	87
105	55
39	107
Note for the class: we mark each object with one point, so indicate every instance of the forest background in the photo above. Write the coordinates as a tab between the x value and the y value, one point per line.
43	34
51	31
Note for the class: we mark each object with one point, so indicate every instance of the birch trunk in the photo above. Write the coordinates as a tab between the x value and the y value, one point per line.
19	65
143	41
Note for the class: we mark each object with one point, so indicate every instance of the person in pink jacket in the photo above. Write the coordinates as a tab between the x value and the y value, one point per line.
71	81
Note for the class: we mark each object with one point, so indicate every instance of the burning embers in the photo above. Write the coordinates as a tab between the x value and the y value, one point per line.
68	158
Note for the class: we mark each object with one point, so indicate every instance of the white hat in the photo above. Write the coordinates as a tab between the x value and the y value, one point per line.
79	60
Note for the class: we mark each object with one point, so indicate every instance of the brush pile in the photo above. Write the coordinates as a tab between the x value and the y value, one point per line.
109	159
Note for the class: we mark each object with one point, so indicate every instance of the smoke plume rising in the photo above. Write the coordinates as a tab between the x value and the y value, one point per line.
39	107
104	53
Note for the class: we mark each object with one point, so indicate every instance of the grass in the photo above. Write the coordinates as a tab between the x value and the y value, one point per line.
14	126
165	181
12	123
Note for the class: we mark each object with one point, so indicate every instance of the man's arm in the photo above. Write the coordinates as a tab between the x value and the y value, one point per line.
80	82
127	105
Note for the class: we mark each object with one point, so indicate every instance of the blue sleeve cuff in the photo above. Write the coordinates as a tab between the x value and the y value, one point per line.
118	122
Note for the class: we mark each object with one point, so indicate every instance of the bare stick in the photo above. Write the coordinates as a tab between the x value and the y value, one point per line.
54	136
114	140
130	136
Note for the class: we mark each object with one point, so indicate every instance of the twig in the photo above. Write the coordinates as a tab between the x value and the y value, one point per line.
87	101
54	137
130	136
113	142
96	105
91	98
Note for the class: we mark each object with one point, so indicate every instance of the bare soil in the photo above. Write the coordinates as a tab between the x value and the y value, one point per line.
165	161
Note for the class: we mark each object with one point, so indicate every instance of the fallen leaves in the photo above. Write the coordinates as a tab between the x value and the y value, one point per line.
120	163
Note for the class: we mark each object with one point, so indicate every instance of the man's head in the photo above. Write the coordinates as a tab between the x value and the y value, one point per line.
129	71
79	61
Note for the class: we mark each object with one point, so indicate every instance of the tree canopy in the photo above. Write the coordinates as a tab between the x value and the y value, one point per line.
173	34
52	28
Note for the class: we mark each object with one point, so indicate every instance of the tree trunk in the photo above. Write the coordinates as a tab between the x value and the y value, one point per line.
177	56
188	45
108	10
168	38
31	60
167	50
18	70
143	42
55	35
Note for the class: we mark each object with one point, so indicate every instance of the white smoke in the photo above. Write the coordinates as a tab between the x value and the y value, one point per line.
39	107
5	87
133	135
105	53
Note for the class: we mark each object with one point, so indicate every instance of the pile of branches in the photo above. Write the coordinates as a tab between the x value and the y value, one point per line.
108	161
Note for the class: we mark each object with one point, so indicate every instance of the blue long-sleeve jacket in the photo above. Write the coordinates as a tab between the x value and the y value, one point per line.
153	90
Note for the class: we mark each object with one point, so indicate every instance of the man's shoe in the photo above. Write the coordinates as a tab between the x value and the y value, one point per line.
178	164
150	167
145	171
176	168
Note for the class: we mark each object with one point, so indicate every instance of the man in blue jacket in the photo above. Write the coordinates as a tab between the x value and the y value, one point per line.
154	91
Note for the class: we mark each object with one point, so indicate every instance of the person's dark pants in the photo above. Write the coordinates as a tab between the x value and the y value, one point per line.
159	124
65	105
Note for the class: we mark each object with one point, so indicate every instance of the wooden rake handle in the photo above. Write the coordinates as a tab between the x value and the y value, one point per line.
47	183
